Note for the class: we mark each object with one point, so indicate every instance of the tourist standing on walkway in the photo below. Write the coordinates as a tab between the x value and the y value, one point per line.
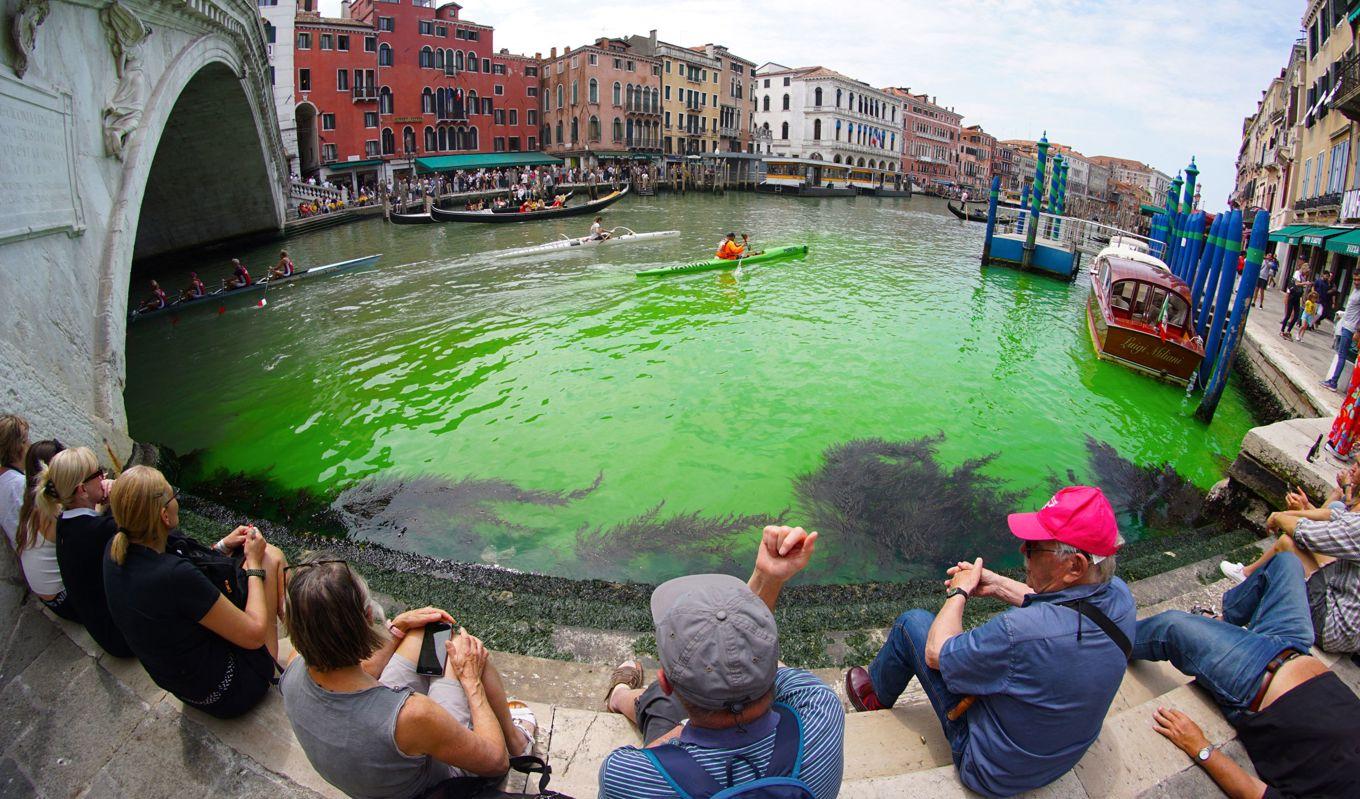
1272	268
748	717
1345	334
192	640
1023	696
1293	302
368	721
70	491
1298	721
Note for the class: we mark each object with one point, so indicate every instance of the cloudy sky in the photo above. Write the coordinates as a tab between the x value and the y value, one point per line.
1155	80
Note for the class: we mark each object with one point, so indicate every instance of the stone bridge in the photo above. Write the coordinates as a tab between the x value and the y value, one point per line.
129	128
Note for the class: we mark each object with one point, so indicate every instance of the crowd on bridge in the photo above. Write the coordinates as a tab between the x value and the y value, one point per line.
413	706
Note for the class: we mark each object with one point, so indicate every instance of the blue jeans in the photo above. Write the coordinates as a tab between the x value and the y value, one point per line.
902	657
1343	350
1262	617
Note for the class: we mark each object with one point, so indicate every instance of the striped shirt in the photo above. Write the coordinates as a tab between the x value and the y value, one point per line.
1339	538
628	774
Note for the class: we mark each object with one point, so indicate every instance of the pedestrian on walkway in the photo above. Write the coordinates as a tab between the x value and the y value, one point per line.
1345	334
1293	303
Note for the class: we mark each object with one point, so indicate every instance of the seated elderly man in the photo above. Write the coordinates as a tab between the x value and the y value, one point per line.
1326	542
723	712
1299	723
1022	696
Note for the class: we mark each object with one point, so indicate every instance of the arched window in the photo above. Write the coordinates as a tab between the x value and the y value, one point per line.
444	138
594	92
594	128
389	142
838	98
628	97
384	100
427	101
618	128
560	104
560	140
838	130
817	96
575	92
431	143
575	132
426	57
817	127
766	106
408	140
618	93
836	160
861	160
439	59
630	140
470	139
784	131
786	103
384	55
472	107
458	58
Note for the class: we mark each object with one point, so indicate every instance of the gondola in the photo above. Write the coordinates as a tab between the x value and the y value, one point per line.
221	295
410	219
972	216
547	213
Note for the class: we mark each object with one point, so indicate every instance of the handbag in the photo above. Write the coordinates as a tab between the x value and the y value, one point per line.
224	571
485	787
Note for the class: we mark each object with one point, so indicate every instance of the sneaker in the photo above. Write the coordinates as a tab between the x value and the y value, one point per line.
1329	386
1233	571
859	689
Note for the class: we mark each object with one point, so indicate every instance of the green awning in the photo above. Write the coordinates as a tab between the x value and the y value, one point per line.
441	163
354	164
1348	243
1287	232
1316	236
1152	210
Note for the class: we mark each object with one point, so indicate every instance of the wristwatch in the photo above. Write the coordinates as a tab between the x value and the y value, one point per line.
254	573
1203	755
956	591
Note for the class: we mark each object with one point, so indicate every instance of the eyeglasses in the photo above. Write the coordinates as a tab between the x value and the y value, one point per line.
1028	548
97	473
297	566
174	495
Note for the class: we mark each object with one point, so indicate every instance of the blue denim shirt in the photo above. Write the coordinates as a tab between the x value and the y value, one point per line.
1042	693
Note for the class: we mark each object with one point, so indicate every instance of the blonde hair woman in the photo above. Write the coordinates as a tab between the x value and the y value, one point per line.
69	491
190	638
13	446
36	541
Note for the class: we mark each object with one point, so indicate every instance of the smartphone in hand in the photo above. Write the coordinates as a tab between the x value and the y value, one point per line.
433	651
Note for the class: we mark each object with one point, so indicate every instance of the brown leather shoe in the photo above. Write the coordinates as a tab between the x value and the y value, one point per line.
860	690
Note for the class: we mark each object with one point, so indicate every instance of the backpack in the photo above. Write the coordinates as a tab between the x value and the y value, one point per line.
781	781
223	571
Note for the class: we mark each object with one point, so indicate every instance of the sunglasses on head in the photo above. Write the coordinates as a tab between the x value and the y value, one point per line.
97	473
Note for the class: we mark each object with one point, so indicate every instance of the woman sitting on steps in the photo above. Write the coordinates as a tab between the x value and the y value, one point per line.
404	732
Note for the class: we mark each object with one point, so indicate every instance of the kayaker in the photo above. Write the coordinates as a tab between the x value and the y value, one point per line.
157	299
240	276
597	231
730	250
196	289
285	267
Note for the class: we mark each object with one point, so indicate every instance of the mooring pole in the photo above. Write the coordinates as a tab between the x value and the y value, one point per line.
991	220
1023	216
1227	271
1194	237
1208	267
1027	258
1246	289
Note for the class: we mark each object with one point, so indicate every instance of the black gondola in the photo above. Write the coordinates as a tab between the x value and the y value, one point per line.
410	219
547	213
972	216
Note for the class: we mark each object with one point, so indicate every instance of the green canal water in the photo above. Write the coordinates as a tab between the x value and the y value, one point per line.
557	414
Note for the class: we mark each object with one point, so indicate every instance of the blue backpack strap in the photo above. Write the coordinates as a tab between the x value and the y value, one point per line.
678	767
787	758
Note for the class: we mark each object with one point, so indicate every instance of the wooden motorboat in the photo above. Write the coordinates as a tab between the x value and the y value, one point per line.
259	286
489	215
1139	315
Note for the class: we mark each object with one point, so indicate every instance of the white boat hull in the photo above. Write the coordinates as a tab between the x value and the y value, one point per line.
586	241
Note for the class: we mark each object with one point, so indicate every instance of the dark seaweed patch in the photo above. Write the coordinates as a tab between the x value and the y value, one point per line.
1148	500
689	541
890	505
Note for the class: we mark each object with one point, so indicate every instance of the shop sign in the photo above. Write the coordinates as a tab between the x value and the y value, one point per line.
408	120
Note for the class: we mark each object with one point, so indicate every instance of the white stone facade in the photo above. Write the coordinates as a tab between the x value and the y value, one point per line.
279	15
817	113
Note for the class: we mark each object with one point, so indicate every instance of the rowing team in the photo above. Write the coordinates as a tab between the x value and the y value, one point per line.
240	278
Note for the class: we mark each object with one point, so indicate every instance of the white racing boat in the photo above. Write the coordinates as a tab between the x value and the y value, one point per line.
619	235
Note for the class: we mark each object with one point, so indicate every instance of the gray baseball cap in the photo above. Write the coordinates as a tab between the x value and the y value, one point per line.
716	639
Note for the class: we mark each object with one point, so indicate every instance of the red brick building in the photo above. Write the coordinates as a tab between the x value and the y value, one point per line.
398	80
932	137
601	101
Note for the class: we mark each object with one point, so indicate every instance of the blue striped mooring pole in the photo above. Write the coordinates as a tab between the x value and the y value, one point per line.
1027	258
1246	289
1227	274
991	220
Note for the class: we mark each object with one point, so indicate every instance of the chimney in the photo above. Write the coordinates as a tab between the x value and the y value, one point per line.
538	56
552	53
652	36
566	51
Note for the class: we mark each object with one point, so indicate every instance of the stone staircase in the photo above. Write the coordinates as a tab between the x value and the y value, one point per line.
76	723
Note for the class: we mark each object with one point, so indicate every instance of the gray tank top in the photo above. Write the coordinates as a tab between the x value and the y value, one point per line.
350	738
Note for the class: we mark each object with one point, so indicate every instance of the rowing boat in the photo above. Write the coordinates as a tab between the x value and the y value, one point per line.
489	215
587	241
224	294
772	254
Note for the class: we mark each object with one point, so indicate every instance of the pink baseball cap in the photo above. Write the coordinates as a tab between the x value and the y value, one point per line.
1078	516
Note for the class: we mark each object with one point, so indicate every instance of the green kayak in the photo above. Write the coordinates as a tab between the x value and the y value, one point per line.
772	254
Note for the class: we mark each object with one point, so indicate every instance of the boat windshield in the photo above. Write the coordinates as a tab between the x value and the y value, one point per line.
1149	304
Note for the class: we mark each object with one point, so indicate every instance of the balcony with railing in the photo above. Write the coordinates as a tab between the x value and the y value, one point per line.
1347	98
364	93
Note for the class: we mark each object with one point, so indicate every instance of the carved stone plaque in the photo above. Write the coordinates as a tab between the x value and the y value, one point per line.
38	190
